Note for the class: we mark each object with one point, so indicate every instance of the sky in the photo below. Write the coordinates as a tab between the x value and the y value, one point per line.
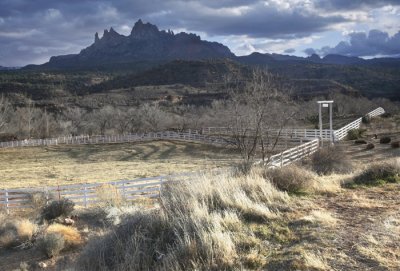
31	31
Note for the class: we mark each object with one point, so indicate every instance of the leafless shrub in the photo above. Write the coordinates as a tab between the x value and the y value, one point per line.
58	208
395	144
385	140
331	160
370	146
52	244
291	178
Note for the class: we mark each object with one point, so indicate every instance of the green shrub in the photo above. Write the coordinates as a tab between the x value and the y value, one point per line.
366	119
370	146
385	140
331	160
291	178
355	134
379	173
58	208
52	244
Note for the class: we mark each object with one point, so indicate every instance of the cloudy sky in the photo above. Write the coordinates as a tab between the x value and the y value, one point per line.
33	30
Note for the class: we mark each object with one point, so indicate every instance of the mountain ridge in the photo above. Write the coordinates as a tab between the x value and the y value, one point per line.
147	44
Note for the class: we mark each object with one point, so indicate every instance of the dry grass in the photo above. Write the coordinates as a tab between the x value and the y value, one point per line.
322	218
109	195
314	261
40	166
202	224
16	231
71	235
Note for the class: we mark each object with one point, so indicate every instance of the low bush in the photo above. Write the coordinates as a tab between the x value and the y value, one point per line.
379	173
15	232
370	146
385	140
360	141
331	160
58	208
71	235
395	144
355	134
366	119
291	178
52	244
386	115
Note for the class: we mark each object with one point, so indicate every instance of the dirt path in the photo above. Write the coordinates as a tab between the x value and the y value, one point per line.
367	236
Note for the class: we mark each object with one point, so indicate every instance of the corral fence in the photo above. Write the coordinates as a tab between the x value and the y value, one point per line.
89	194
107	139
305	134
342	132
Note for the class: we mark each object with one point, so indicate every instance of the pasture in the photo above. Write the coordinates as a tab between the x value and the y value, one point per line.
68	164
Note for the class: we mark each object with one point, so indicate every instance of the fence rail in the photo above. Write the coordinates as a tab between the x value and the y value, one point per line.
101	139
88	194
342	132
282	133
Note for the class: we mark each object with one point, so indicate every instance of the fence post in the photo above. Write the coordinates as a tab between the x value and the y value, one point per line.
7	206
161	180
123	190
85	195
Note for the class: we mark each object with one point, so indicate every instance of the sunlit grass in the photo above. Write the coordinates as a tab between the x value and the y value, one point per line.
54	165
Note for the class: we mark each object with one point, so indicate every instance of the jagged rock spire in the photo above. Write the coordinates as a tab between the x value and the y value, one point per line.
96	37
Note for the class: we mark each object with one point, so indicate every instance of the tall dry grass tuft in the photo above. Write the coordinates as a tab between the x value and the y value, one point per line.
195	228
71	235
15	232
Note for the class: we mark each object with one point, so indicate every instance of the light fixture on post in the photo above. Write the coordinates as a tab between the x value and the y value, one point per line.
323	104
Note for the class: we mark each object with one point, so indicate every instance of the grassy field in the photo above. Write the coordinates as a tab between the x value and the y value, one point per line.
39	166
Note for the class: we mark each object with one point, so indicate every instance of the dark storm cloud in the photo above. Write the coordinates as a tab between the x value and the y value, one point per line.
360	44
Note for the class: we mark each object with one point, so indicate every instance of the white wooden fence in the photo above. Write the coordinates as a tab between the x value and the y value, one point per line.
106	139
342	132
294	154
283	133
88	194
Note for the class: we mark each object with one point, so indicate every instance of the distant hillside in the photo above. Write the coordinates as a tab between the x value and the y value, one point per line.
198	73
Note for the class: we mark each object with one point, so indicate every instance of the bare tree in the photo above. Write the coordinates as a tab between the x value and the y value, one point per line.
4	112
151	117
256	108
75	115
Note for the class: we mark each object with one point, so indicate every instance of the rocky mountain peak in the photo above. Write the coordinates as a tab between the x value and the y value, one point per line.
96	37
144	30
